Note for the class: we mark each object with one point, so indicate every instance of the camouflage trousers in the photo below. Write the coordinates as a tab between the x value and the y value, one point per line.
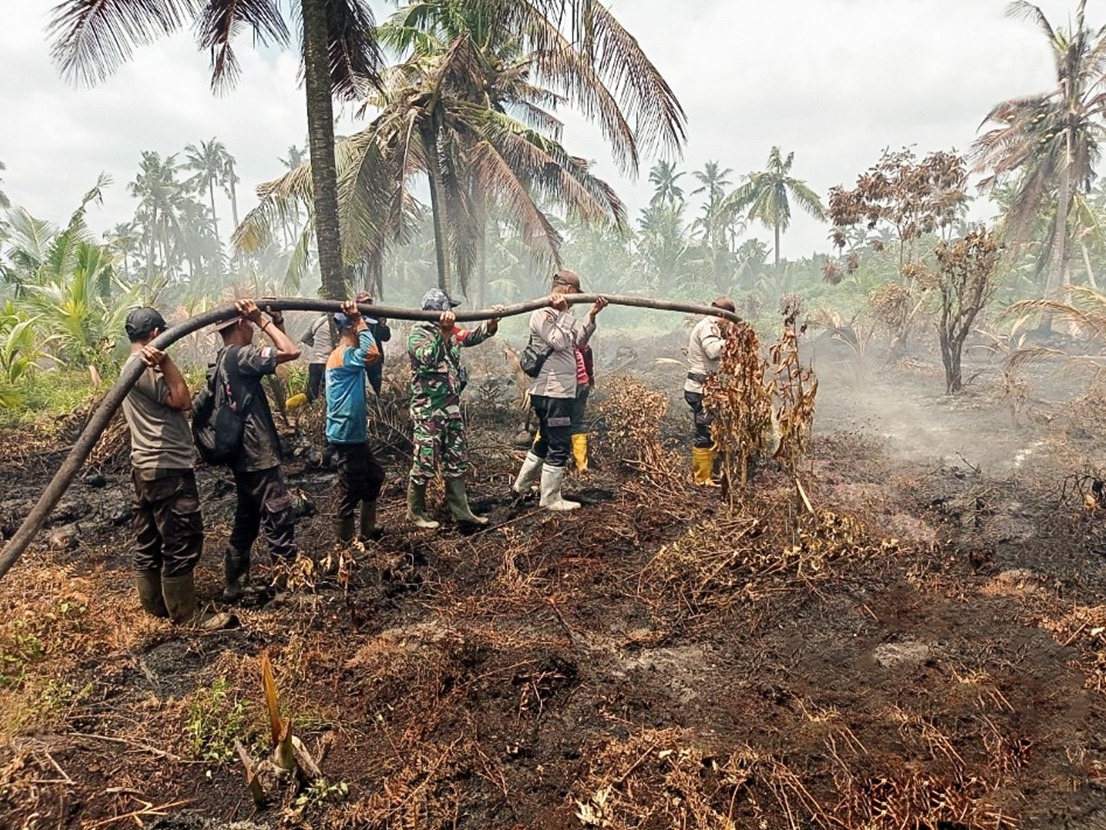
438	440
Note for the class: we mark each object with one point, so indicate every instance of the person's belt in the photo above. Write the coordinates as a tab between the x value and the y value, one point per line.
697	377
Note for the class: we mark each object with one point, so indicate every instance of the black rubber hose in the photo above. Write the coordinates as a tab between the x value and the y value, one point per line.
114	397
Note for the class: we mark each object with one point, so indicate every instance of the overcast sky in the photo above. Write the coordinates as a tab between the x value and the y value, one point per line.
835	81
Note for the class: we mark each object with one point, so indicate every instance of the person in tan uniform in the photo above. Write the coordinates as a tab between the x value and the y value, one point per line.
553	392
704	354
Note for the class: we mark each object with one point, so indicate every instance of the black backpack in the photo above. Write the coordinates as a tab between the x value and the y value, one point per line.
217	419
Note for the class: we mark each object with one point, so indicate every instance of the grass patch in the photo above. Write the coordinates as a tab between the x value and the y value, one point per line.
215	718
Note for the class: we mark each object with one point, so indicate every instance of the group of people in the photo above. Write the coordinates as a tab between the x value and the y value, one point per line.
168	523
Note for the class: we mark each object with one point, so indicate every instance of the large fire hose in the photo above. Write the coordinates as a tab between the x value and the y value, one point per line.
131	372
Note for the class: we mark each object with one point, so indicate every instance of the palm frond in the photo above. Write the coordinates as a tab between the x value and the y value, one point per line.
92	38
221	20
355	56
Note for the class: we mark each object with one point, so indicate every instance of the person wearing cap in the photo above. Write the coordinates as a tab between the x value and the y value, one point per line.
704	355
168	524
360	475
382	333
553	393
263	501
437	379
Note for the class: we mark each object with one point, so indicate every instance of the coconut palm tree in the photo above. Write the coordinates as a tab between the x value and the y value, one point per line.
664	179
338	46
713	182
766	197
430	125
507	66
208	163
1049	143
159	197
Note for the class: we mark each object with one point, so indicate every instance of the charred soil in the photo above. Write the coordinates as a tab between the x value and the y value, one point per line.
923	649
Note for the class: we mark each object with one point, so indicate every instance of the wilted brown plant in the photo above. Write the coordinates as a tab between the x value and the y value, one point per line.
965	280
740	397
634	413
761	405
914	198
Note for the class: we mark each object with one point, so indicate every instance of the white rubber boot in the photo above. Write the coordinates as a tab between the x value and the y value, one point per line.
551	499
531	468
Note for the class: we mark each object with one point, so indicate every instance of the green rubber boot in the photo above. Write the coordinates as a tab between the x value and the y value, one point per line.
457	498
180	599
344	526
416	506
149	593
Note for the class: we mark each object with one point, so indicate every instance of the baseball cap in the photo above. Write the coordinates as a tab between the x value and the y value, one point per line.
142	321
226	324
437	300
342	321
566	277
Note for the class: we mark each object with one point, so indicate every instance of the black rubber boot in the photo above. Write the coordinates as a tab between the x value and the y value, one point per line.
236	573
369	531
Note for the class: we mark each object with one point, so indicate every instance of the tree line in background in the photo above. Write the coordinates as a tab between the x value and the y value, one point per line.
461	177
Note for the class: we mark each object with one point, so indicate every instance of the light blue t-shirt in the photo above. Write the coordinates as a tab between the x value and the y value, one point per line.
345	391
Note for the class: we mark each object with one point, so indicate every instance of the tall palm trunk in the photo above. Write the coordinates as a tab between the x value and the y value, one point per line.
151	229
1061	254
437	202
233	192
1091	281
320	134
480	208
777	231
215	227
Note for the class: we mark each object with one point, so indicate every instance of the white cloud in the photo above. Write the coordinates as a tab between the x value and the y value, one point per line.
835	81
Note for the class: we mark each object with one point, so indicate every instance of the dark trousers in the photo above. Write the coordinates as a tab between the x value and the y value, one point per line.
360	476
264	504
554	443
168	525
316	380
579	407
702	418
375	374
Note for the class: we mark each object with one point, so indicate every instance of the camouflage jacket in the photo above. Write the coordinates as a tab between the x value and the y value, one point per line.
436	373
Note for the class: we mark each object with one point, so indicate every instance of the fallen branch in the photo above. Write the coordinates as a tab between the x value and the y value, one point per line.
161	753
130	374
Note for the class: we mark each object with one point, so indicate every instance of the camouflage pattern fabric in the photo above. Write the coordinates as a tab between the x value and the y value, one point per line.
436	369
439	441
439	430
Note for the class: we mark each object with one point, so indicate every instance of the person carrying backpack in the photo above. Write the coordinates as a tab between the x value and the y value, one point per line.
553	393
263	501
360	475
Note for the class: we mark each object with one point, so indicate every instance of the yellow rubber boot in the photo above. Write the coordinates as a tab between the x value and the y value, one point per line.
702	463
295	402
580	452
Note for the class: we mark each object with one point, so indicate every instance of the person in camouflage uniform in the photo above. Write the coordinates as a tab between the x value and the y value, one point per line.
437	379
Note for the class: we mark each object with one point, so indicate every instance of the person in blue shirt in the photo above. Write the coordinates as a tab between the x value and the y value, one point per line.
360	475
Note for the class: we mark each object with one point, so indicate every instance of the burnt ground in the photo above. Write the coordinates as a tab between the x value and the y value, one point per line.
925	649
